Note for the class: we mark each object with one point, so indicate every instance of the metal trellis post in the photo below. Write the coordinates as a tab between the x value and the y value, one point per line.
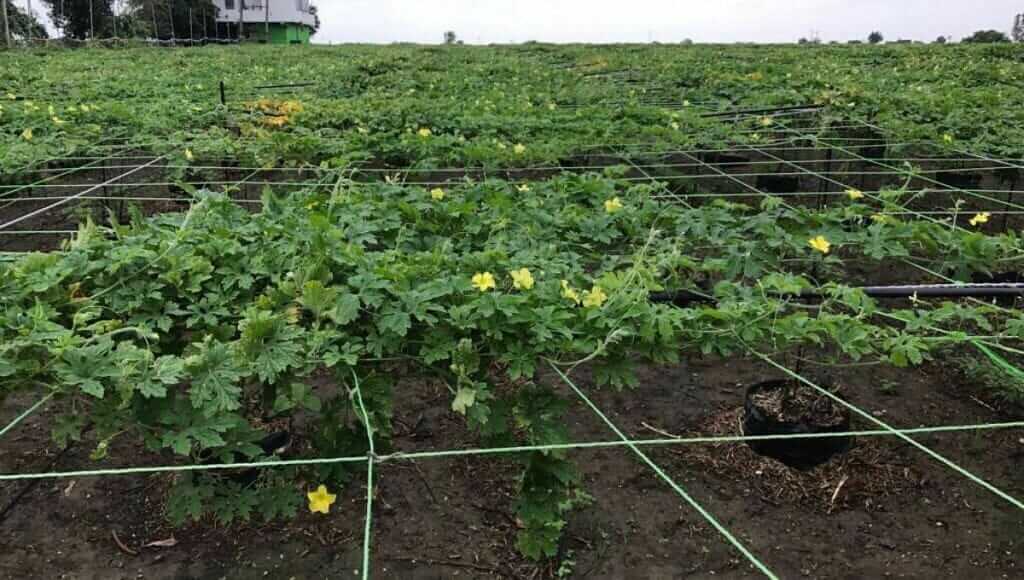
152	13
7	28
266	25
170	18
31	19
92	23
241	19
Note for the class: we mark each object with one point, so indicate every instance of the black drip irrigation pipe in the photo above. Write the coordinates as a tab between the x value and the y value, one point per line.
682	297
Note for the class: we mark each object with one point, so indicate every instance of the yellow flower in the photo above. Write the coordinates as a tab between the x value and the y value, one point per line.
12	96
437	194
675	125
320	500
57	120
502	146
855	193
569	292
947	138
484	281
519	148
820	244
981	218
552	106
189	155
27	134
524	188
522	279
613	205
594	298
363	131
767	121
424	132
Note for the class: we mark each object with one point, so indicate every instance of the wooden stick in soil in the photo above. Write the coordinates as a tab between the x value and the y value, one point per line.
120	544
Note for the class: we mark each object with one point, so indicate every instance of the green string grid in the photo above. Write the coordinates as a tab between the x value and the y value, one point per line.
934	454
370	460
26	413
672	483
400	456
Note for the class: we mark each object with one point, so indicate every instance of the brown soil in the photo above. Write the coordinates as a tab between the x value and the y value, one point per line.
798	403
885	509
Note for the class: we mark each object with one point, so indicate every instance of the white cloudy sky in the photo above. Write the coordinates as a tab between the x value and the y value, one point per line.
502	21
484	21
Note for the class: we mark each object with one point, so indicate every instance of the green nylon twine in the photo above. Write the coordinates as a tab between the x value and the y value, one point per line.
934	454
370	460
675	486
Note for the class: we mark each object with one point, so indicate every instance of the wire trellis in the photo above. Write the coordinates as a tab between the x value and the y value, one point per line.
808	156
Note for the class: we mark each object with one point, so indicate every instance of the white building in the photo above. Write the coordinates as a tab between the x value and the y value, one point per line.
287	21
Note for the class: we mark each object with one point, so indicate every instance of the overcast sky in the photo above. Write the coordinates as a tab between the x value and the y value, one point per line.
501	21
504	21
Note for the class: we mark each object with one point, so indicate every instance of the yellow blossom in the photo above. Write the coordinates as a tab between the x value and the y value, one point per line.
57	120
320	500
675	125
502	146
27	134
437	194
424	132
552	106
12	96
613	205
484	281
363	131
522	279
855	193
189	155
820	244
569	292
524	188
981	218
519	149
767	121
947	138
594	298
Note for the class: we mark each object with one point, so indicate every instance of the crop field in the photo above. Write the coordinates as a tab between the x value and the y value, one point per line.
534	311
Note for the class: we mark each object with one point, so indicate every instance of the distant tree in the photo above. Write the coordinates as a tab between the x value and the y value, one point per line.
23	25
449	37
72	17
1018	28
987	37
855	42
941	40
172	16
687	41
802	40
875	37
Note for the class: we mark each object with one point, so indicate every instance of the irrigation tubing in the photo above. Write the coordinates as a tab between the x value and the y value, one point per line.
903	291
